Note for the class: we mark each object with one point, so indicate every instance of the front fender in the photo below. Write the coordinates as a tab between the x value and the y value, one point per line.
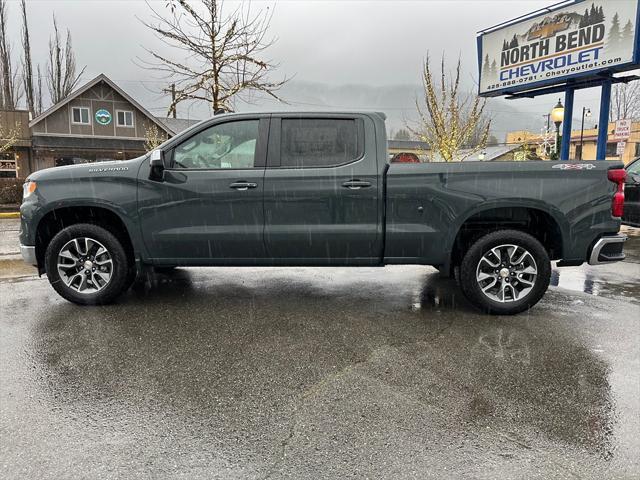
33	211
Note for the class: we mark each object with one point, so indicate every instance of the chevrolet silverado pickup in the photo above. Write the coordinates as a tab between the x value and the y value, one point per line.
317	189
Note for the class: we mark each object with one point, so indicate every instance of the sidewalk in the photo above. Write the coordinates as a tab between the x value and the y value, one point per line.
9	211
11	264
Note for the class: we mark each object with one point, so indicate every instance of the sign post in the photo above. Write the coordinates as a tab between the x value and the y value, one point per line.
621	134
566	124
603	121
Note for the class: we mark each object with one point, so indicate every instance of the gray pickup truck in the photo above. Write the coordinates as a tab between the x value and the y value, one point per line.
317	189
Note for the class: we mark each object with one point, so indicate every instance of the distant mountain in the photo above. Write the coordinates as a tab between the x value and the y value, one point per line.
398	102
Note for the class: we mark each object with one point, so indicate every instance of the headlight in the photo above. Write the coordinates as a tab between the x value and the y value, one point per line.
28	188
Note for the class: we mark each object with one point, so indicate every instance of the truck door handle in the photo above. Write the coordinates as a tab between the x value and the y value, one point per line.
356	184
243	185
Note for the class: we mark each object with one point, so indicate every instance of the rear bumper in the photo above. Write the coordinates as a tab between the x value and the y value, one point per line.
29	255
607	250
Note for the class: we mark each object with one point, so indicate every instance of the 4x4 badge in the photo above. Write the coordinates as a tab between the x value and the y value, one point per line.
574	166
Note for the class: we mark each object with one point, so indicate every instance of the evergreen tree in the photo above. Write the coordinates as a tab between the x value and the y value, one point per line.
600	17
613	41
593	15
584	21
494	69
485	67
402	134
627	32
514	42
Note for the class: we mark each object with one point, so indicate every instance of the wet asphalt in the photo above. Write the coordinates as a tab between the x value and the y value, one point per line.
321	373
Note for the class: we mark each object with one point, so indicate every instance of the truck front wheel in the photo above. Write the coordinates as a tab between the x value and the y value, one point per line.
505	272
87	265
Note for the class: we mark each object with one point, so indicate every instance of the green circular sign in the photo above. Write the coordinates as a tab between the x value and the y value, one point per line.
103	117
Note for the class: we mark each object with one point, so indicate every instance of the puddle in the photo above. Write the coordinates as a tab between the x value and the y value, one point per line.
616	280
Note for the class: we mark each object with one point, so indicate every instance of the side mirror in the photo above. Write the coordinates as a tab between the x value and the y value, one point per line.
156	159
635	178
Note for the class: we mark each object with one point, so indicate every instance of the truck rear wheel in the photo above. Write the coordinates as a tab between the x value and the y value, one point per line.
87	265
505	272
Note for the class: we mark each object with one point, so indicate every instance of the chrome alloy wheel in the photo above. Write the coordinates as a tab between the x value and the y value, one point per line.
506	273
85	265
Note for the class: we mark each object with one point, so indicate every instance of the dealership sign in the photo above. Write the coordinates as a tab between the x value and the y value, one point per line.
578	39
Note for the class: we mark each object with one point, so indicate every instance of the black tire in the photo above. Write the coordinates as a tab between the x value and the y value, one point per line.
510	304
121	273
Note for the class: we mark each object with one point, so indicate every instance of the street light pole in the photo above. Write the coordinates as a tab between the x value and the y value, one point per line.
585	112
557	115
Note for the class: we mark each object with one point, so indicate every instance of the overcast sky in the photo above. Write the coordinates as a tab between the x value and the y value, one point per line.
373	42
334	42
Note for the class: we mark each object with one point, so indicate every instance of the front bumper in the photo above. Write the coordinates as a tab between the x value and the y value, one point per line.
607	250
29	255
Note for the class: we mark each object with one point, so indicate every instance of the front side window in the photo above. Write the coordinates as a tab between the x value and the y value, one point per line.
80	115
635	168
229	145
124	118
318	142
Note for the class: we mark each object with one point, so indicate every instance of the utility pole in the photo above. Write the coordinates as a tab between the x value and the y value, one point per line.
586	112
548	117
172	91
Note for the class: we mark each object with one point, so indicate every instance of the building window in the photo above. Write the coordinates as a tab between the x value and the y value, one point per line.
124	118
637	154
612	147
80	115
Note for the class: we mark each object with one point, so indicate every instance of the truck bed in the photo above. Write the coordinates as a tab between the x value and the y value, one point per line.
427	204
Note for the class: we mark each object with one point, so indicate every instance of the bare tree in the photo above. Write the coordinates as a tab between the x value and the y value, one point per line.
450	117
32	89
61	69
625	101
221	53
477	137
38	105
528	149
9	88
152	137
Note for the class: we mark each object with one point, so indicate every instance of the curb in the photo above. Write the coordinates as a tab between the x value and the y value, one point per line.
9	214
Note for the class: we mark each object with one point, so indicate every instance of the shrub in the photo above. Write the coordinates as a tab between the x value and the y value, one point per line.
11	190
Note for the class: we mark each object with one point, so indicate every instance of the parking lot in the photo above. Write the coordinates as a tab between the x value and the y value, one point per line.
321	373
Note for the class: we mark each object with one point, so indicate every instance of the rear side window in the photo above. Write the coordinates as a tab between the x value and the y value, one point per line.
319	142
